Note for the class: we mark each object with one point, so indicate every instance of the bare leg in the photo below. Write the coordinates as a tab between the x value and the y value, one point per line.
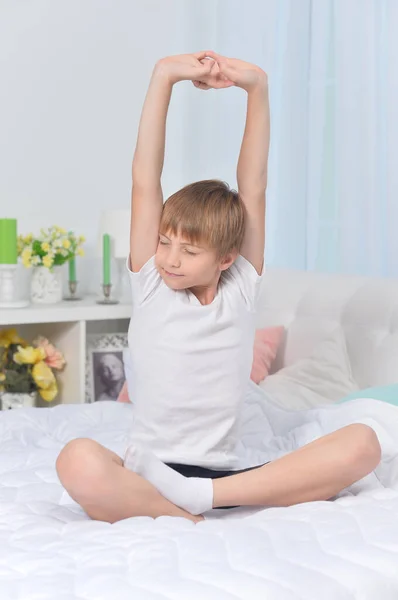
95	478
317	471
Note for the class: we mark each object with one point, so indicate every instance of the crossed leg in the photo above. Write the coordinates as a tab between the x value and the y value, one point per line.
317	471
94	477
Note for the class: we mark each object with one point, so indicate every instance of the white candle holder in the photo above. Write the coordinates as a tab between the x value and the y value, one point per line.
8	298
72	285
107	299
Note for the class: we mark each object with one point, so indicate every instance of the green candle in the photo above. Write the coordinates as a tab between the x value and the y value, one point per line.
72	269
106	258
8	242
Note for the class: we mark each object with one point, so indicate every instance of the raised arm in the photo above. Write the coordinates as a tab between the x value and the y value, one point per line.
252	172
253	157
147	196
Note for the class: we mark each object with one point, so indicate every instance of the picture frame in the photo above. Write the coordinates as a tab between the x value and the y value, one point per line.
105	374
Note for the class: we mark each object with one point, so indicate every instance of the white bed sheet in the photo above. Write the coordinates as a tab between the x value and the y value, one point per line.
340	550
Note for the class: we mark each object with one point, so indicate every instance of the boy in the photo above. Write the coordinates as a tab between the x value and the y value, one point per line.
195	267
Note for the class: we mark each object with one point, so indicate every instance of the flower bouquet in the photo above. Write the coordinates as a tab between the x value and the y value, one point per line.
47	252
53	247
28	368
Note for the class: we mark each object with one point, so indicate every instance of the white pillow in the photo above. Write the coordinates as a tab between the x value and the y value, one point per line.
128	371
324	377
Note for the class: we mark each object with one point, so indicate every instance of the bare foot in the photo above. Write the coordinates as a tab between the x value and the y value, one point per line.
198	518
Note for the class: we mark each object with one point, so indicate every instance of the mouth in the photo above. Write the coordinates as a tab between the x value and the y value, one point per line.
172	274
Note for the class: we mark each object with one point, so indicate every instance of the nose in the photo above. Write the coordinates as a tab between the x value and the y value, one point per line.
173	258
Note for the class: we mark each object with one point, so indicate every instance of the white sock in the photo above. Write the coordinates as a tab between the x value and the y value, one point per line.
193	494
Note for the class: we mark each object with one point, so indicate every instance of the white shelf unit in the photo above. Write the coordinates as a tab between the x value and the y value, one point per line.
67	325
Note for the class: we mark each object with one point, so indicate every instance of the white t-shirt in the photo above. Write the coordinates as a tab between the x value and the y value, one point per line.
191	365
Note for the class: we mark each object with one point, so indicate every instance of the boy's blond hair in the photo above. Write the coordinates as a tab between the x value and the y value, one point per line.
206	212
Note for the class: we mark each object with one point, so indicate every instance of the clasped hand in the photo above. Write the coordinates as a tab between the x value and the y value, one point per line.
209	70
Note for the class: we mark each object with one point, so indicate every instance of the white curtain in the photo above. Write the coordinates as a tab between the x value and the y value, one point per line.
352	177
333	170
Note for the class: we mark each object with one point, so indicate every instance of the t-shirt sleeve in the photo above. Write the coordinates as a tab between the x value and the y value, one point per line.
144	282
245	277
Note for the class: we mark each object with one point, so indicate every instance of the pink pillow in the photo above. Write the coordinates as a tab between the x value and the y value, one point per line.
266	344
123	394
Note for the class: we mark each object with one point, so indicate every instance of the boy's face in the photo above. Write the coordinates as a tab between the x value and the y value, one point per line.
184	265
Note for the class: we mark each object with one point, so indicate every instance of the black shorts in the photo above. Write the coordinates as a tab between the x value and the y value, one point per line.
194	471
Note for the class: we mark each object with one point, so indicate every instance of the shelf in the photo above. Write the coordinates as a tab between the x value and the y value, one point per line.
67	325
63	312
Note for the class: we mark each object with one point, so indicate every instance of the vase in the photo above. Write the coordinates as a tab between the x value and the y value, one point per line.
46	285
17	400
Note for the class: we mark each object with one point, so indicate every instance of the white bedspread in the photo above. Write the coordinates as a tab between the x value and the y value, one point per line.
49	549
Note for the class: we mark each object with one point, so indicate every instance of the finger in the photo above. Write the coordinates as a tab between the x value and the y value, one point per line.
208	61
223	64
218	57
220	85
212	62
200	85
226	71
202	54
205	68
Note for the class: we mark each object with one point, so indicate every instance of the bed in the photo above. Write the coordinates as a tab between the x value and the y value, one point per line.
342	549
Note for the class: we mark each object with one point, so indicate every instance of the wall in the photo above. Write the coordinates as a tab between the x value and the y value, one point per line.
74	76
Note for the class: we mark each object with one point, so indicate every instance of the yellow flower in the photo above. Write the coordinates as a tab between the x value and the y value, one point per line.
81	239
10	336
42	375
26	257
66	243
29	355
60	230
48	261
45	247
50	393
28	238
80	251
2	378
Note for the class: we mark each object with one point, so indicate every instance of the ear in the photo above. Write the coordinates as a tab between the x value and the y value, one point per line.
228	260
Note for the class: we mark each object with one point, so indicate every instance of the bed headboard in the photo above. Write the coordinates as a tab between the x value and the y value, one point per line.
311	305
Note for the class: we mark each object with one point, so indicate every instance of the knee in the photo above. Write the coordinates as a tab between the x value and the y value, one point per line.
77	464
366	447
